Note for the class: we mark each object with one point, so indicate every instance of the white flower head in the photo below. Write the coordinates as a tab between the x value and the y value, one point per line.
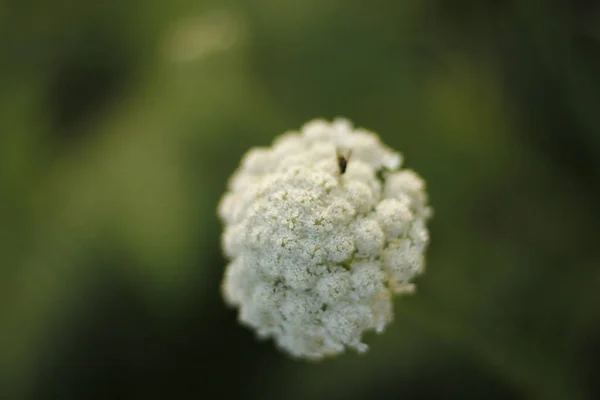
316	250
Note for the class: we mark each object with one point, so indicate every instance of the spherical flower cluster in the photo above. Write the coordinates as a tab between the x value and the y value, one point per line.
317	250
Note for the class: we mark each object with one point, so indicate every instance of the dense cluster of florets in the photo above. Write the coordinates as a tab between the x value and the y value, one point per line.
317	252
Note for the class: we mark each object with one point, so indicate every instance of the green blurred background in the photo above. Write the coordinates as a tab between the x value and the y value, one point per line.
120	122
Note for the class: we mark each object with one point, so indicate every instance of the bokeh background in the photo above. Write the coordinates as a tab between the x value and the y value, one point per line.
120	122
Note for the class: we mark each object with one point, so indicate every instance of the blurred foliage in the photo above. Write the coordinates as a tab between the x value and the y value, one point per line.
121	122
